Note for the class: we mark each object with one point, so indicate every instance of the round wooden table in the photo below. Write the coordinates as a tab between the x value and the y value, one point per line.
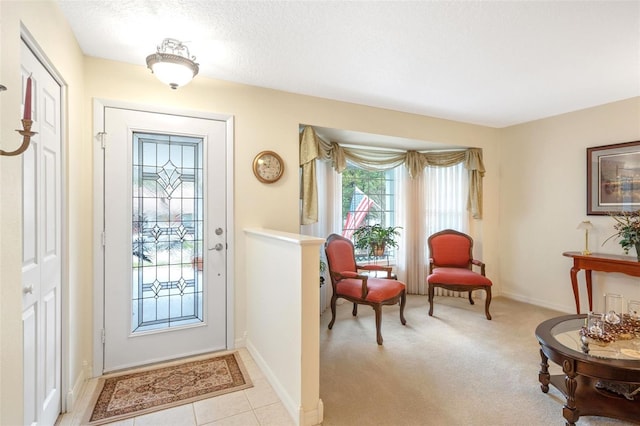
609	367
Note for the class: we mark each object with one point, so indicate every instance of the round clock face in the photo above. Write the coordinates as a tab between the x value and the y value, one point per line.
268	167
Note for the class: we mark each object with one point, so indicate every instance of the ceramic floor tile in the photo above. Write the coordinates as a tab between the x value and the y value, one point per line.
128	422
273	415
261	394
222	406
182	415
244	419
252	368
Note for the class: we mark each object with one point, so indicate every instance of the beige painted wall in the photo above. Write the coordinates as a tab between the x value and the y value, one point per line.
48	27
543	198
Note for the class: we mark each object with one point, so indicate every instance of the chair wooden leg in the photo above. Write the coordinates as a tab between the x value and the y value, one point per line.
378	311
403	302
333	310
431	292
354	312
487	303
471	299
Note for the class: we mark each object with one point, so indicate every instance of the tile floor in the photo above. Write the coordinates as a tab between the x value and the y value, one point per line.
256	406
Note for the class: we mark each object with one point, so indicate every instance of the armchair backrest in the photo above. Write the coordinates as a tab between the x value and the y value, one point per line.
451	248
340	254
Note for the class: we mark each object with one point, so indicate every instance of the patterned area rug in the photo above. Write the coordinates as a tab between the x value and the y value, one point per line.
133	394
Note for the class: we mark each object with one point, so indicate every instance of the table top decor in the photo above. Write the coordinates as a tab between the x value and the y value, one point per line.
627	329
627	229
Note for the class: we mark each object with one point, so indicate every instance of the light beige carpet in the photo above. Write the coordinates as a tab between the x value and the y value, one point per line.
132	394
455	368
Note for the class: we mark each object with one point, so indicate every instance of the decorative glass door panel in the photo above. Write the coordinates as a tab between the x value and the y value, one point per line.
167	231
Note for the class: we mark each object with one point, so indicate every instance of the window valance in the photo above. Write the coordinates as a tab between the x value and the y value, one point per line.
313	147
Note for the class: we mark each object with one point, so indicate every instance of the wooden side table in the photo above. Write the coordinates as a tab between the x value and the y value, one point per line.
598	262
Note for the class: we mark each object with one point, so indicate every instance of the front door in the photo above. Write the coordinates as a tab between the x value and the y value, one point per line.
164	237
41	248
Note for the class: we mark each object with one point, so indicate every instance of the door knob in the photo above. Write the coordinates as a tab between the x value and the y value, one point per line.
27	289
219	247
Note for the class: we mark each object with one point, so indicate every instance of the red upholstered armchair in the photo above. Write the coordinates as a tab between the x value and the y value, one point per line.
360	288
450	266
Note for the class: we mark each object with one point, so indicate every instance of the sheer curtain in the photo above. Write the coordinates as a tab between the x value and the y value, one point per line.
410	215
329	218
445	191
435	201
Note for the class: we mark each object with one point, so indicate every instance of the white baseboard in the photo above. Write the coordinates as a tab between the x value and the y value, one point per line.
537	302
297	413
78	387
313	417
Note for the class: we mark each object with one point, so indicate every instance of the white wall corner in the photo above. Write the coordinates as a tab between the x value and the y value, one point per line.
312	417
241	342
275	383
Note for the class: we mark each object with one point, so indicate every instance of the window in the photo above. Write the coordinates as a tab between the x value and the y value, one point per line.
368	197
421	206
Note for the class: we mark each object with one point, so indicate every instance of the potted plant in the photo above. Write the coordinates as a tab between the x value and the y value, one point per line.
627	229
376	238
323	268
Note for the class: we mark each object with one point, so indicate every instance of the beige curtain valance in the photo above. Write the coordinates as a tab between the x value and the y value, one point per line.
312	147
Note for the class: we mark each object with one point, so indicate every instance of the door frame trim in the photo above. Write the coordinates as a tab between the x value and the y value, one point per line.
99	106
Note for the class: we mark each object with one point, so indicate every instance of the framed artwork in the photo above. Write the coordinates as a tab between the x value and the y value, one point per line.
613	178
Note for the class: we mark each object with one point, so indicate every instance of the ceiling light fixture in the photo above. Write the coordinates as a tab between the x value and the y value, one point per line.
172	63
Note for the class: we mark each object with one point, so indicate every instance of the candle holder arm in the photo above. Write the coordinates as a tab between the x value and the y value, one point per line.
26	139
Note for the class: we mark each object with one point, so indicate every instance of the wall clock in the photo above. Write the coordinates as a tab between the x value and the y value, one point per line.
268	167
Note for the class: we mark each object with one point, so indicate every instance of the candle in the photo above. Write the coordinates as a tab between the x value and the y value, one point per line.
27	101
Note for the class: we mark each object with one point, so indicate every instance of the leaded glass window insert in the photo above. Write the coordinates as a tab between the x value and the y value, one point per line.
167	231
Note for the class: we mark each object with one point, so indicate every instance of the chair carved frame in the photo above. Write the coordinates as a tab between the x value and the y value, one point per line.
458	287
361	299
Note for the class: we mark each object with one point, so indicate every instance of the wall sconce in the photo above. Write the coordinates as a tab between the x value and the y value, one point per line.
172	63
26	123
586	225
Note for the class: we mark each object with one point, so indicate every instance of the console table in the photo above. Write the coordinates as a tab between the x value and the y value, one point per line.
598	262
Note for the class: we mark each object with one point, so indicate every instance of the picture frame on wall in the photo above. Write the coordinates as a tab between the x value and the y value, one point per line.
613	178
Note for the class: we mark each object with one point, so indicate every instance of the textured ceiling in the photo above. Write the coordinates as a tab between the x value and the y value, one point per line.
483	62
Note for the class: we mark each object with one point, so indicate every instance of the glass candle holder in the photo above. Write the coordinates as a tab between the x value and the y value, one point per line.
595	323
613	308
633	309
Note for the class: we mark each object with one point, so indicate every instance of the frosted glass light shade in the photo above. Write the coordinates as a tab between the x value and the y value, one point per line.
175	69
585	224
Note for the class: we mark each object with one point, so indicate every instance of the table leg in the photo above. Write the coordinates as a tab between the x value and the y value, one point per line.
587	274
574	284
569	411
543	375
